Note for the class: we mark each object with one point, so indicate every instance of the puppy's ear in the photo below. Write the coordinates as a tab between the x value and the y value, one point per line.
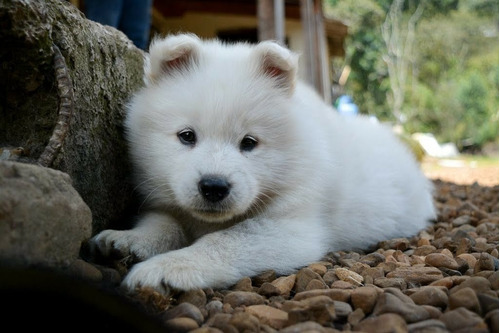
278	63
171	55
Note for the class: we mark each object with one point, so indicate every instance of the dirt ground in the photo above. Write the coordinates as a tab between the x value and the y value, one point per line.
463	171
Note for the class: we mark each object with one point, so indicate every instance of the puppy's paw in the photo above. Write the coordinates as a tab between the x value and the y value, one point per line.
121	243
174	270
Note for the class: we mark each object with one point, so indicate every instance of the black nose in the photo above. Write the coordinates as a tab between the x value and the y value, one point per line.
214	189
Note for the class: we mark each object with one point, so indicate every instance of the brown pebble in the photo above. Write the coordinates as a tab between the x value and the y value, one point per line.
355	317
388	322
245	284
478	283
266	276
284	284
185	310
385	282
268	290
245	322
485	263
491	319
424	250
181	324
307	326
430	296
238	298
364	298
465	297
441	260
196	297
396	243
320	309
444	282
388	303
335	294
318	268
84	270
418	275
429	325
461	318
304	276
268	315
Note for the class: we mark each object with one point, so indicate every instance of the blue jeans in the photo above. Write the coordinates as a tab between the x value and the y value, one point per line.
132	17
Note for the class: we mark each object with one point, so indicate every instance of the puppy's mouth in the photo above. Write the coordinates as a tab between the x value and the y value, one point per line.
212	214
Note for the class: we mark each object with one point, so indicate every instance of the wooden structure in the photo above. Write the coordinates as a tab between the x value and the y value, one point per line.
297	23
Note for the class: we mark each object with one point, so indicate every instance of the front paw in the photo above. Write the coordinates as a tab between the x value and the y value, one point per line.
121	243
173	270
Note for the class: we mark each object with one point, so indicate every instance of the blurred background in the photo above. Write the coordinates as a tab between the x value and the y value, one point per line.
428	67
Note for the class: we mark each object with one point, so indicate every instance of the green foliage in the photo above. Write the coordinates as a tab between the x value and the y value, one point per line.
452	88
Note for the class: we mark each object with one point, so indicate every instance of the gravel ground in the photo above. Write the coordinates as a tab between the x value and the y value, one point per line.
445	279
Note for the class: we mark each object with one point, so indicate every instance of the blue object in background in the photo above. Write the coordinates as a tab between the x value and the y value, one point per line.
132	17
345	106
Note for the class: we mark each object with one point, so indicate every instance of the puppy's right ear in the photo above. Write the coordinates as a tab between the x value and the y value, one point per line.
171	55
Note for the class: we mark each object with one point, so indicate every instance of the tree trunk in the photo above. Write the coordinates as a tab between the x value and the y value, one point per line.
64	83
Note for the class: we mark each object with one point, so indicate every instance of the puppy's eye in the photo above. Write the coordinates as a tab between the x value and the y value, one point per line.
187	137
248	143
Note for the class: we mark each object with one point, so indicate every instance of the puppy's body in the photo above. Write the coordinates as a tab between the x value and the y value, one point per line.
246	170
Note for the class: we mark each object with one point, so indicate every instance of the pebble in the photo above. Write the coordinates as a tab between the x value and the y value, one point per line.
388	303
461	318
184	310
467	298
268	315
418	275
433	296
385	323
238	298
445	279
364	298
441	260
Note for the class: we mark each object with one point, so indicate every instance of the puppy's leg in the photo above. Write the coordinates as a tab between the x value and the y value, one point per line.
221	258
155	233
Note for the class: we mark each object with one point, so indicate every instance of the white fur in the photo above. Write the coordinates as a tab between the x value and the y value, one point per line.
316	182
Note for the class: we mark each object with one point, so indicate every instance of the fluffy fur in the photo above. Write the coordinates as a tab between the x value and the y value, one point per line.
300	179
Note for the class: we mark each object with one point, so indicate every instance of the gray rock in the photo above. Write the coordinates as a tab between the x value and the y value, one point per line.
43	220
461	318
389	303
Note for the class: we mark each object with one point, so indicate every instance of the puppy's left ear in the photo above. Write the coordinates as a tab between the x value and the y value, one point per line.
173	55
277	63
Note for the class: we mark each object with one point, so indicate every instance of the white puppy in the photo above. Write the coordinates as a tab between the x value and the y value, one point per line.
245	169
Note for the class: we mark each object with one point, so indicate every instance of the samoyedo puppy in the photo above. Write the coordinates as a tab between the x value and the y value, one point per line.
246	169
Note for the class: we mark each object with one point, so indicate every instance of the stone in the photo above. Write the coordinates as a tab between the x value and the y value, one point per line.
307	326
461	220
206	330
268	290
238	298
444	282
385	282
491	319
388	303
244	284
284	284
196	297
342	309
318	268
85	271
486	262
213	307
465	297
494	280
396	244
245	322
304	276
335	294
268	315
469	258
320	309
487	302
424	250
364	298
430	296
385	323
372	259
181	324
316	284
43	219
355	317
266	276
478	283
349	276
441	260
428	326
417	275
461	318
186	310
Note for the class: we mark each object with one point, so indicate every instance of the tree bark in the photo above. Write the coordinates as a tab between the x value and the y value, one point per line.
64	83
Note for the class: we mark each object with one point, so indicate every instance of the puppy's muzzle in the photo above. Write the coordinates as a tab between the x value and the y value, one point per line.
214	188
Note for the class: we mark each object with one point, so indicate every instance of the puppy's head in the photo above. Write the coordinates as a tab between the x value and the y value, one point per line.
211	133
